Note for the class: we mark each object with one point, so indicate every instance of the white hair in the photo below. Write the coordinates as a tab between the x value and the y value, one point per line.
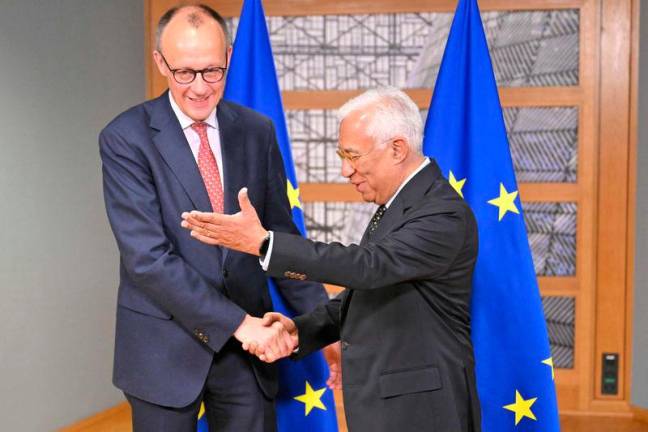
395	114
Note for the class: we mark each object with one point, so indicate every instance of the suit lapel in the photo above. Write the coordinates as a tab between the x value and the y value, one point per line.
172	145
392	215
411	193
234	156
234	159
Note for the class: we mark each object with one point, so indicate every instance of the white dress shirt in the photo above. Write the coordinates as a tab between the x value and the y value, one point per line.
194	140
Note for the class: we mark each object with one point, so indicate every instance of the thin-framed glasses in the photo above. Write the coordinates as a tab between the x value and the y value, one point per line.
187	76
352	157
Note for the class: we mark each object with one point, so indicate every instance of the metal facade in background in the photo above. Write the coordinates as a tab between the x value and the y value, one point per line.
551	228
560	313
313	135
349	52
544	144
532	49
337	221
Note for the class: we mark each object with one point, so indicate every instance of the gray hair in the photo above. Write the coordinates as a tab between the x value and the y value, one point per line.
195	18
395	114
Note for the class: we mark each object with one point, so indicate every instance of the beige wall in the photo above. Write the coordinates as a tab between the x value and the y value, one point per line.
68	67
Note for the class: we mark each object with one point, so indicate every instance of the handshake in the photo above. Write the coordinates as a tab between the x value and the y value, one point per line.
269	338
275	336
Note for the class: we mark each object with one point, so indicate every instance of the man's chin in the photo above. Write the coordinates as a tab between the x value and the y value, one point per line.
368	197
198	111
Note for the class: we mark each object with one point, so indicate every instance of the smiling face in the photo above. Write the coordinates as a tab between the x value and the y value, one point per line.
374	172
191	45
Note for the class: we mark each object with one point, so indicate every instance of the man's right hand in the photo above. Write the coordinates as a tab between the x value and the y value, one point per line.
269	341
275	319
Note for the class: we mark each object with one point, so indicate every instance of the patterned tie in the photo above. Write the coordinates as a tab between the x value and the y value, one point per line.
375	220
209	168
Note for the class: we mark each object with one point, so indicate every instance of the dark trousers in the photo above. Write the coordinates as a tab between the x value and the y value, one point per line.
233	401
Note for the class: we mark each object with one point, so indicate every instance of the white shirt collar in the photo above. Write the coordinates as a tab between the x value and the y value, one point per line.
186	121
425	163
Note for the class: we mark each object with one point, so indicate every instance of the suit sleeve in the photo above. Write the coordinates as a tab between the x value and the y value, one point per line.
147	254
320	327
301	296
424	247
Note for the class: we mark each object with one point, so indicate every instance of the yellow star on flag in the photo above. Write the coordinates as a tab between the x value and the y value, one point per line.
456	184
312	398
549	362
293	196
521	408
505	202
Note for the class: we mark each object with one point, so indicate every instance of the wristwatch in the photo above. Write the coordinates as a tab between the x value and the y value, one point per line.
263	249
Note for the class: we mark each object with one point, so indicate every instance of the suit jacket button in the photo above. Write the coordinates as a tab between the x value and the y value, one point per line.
225	273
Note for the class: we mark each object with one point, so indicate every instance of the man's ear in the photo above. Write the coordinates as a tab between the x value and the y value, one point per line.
229	55
157	58
399	149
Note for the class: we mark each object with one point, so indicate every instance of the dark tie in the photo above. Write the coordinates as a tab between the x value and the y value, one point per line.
375	220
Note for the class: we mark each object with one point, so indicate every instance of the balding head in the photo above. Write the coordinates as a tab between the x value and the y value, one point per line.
195	16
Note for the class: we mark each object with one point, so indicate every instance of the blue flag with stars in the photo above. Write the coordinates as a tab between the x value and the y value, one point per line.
465	133
304	402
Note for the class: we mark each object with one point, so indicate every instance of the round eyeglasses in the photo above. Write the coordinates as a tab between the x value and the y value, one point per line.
187	76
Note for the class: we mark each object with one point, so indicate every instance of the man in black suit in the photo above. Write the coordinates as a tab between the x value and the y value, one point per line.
403	319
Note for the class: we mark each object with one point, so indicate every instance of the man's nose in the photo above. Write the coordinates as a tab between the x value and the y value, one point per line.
347	168
199	85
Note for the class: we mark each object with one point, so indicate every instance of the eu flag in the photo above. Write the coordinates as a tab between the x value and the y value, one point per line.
304	403
465	133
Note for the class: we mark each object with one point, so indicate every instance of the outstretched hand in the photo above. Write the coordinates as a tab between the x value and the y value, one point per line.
241	231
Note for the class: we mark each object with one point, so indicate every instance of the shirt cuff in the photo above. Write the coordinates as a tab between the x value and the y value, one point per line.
264	260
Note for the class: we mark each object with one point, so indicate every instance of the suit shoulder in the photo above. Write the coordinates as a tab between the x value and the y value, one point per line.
249	117
132	119
128	131
442	198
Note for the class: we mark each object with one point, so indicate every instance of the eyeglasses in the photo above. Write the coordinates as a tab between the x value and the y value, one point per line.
187	76
353	158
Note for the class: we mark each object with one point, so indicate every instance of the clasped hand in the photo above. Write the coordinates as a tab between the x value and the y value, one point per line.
269	338
275	336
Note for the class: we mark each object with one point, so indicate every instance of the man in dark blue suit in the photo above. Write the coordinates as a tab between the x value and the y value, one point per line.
185	309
